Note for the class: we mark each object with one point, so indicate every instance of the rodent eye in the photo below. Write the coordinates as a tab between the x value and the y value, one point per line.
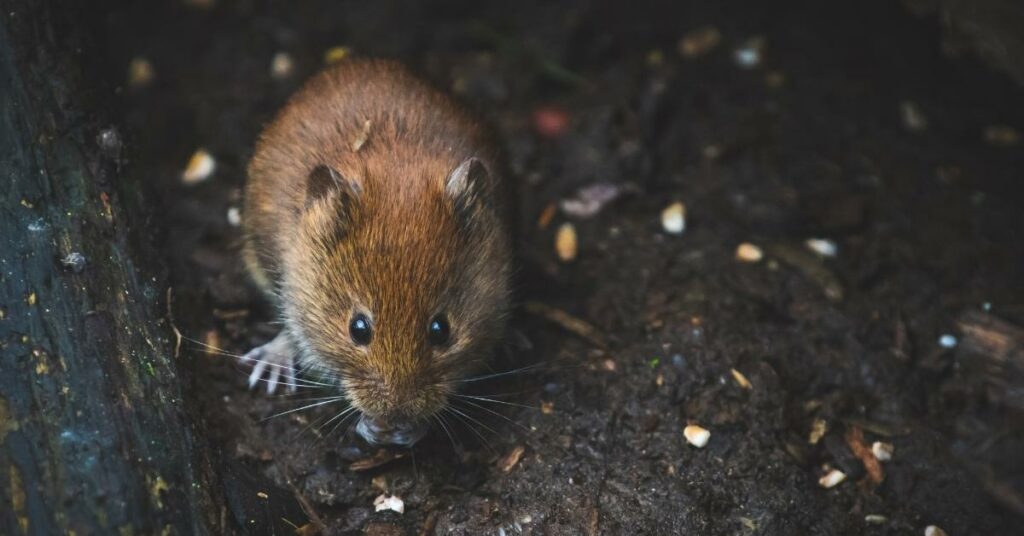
360	330
438	332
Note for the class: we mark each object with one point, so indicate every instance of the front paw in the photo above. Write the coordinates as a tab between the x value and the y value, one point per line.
276	359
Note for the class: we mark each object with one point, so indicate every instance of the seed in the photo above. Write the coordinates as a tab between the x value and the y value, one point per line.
818	429
336	54
140	72
747	252
748	55
200	167
262	495
565	242
832	479
947	341
234	217
822	246
673	218
882	451
875	519
913	118
696	435
699	42
741	379
281	66
389	502
932	530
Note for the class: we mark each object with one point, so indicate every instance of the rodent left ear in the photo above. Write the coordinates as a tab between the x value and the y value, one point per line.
323	180
461	181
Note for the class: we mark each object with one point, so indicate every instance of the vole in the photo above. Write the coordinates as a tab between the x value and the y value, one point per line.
377	224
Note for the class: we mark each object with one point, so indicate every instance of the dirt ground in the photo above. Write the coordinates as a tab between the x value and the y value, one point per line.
849	125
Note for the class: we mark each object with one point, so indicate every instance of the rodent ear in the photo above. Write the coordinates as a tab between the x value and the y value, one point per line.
323	180
462	180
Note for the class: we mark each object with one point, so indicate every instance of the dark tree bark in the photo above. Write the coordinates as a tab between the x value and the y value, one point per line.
94	433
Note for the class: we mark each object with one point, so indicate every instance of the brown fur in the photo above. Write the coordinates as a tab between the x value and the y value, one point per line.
389	242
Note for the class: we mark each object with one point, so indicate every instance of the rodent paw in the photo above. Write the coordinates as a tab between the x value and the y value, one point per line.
275	358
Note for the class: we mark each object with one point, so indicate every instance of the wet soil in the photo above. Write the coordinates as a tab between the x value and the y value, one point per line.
810	142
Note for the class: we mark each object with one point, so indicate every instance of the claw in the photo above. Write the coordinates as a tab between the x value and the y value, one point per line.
276	356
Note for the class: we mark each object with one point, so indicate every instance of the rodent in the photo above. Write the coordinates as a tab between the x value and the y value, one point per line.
376	222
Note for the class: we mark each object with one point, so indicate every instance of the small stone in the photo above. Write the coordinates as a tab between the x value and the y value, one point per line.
673	218
281	66
882	451
741	380
336	54
822	246
696	435
832	479
932	530
565	242
1002	135
913	118
200	167
947	341
234	216
385	502
749	54
818	429
699	42
140	72
747	252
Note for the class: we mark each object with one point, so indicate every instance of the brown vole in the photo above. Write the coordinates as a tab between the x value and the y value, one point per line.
375	221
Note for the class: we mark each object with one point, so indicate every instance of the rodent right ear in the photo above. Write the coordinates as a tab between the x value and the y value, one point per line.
323	180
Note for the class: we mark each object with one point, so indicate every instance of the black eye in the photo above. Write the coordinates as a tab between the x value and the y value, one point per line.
360	330
438	331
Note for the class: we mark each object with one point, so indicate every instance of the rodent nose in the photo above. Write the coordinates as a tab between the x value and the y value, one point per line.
378	432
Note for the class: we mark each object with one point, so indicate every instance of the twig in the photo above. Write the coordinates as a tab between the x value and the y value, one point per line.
579	327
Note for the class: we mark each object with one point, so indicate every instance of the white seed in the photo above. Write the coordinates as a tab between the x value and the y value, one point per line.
234	217
748	55
200	167
565	242
875	519
832	479
696	435
947	341
882	451
822	246
282	65
747	252
932	530
673	218
389	502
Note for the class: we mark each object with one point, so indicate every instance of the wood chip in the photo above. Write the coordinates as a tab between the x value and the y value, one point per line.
568	322
510	460
860	449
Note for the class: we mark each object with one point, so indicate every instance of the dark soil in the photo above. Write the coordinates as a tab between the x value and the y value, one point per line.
810	143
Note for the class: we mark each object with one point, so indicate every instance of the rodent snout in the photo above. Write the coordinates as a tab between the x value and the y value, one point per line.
379	432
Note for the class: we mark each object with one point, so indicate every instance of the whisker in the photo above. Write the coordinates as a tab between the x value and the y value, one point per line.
492	401
474	430
478	406
500	374
328	401
437	418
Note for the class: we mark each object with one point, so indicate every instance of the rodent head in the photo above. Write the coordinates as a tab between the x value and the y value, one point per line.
397	287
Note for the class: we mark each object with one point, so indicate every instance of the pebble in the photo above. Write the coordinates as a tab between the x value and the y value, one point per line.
822	246
832	479
234	216
140	72
932	530
747	252
748	55
200	167
281	66
882	451
699	42
673	218
947	341
565	242
913	118
696	435
385	502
